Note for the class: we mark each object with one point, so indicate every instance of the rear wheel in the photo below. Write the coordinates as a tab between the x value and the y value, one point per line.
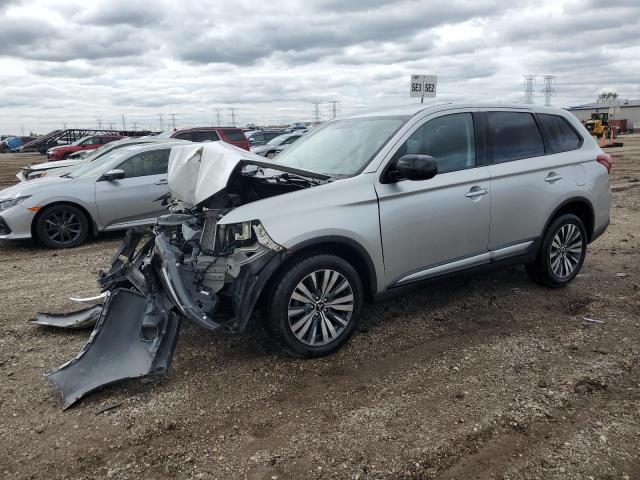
562	252
62	226
314	306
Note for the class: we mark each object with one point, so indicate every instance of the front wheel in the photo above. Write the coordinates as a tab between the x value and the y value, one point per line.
562	252
62	226
314	306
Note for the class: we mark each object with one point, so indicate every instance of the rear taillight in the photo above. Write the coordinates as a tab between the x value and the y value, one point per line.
605	160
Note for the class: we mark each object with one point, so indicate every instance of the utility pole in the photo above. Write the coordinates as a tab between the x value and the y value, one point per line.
529	80
161	122
124	123
333	108
218	118
549	90
233	117
173	120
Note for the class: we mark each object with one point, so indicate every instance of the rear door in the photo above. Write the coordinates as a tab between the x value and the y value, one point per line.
435	226
133	199
527	182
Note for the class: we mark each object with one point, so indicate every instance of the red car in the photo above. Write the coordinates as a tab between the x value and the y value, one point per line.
234	136
85	143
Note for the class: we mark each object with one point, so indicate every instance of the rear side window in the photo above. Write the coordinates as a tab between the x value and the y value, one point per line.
184	136
205	136
514	135
449	139
234	135
560	135
154	162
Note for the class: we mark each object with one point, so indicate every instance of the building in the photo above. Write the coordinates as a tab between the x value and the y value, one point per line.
628	110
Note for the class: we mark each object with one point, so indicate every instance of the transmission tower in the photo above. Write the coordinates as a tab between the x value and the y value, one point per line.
173	120
161	122
333	108
218	117
529	81
549	89
316	110
124	123
233	117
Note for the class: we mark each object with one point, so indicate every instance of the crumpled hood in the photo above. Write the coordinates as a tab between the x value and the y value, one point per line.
198	171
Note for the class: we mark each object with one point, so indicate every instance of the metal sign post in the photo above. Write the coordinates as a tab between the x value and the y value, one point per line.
423	86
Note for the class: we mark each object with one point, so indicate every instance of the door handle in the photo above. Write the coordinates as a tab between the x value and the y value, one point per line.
476	192
552	177
162	182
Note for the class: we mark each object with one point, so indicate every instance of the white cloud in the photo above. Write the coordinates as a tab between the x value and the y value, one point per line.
74	62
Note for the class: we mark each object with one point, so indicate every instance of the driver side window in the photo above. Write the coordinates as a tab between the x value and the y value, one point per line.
449	139
154	162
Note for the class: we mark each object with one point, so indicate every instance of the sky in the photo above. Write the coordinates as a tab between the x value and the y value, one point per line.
89	63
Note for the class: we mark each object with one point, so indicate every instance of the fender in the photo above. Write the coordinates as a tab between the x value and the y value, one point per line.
363	256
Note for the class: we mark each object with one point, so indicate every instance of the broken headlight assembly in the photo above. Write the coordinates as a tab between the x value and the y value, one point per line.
12	202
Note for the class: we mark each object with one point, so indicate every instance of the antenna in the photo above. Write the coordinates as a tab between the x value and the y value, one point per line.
549	90
529	81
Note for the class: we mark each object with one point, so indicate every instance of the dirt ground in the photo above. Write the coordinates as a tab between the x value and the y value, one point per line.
480	376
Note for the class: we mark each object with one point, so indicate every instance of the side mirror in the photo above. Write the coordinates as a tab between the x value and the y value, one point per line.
115	174
412	167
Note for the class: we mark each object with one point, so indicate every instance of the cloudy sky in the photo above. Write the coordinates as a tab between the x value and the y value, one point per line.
84	62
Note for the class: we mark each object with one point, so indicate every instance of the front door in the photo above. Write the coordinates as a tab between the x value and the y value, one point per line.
435	226
133	199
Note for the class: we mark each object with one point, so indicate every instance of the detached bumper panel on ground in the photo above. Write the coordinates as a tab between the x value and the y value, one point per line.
134	337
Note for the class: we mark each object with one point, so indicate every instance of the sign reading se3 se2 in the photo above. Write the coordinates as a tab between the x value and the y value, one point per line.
423	86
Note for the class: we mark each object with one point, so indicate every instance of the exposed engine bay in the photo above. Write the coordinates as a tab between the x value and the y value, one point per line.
189	265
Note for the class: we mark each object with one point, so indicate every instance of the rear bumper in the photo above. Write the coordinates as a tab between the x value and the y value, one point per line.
599	230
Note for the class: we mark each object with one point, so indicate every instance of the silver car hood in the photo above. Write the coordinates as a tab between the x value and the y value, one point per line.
197	172
57	164
31	187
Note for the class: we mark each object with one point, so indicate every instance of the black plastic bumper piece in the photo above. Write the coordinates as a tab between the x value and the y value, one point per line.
4	228
135	336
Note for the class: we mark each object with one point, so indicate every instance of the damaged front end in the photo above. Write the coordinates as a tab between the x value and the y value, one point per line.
190	265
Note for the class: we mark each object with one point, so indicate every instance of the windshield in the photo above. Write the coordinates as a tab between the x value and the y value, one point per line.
341	147
99	166
79	141
278	140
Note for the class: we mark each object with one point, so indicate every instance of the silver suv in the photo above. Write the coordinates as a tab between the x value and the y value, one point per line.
357	208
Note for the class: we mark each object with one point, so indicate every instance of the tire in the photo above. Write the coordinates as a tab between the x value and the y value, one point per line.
305	327
62	226
561	254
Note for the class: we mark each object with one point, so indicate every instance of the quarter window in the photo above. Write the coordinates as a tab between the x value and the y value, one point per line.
449	139
154	162
560	135
514	135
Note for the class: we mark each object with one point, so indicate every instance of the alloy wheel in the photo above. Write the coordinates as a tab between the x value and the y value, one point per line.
320	307
566	250
62	227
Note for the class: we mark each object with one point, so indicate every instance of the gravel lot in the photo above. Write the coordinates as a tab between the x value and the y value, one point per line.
479	376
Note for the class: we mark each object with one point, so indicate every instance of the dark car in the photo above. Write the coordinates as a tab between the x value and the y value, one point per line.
276	145
85	143
232	135
261	137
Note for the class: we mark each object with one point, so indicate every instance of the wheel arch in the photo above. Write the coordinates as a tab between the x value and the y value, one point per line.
578	206
92	223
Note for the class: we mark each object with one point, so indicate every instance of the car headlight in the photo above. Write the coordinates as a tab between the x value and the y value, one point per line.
241	234
12	202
